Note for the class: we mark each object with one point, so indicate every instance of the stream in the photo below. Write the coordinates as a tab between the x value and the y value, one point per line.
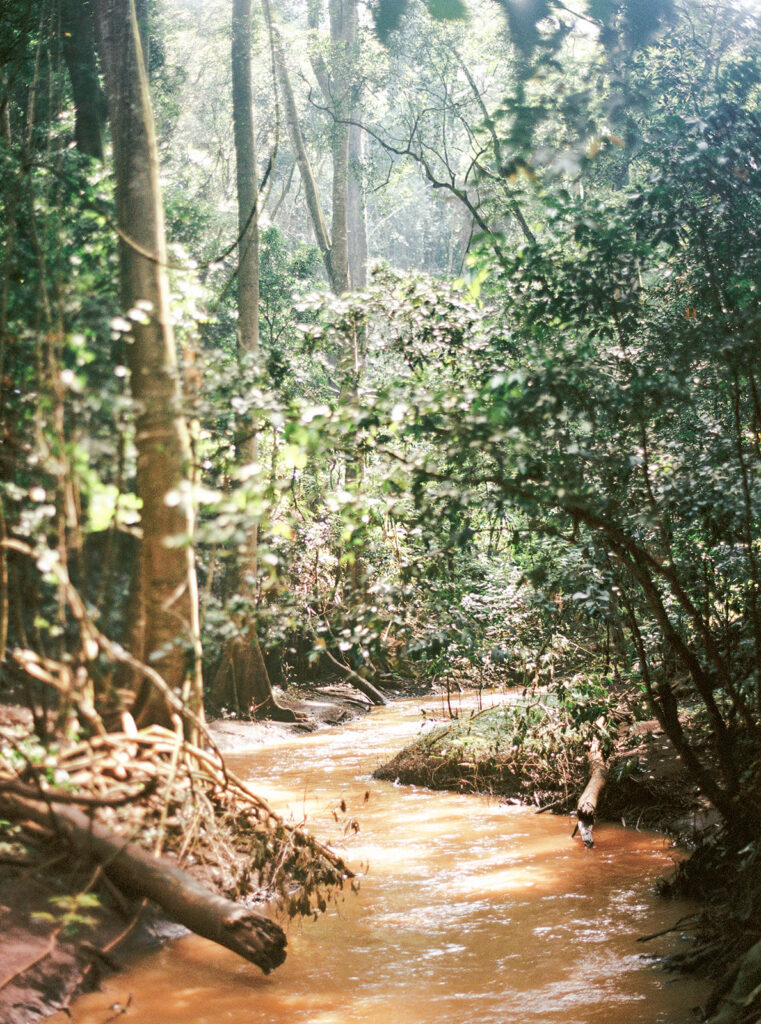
469	911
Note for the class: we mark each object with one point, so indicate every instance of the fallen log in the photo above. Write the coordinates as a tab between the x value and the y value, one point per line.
358	681
185	900
586	808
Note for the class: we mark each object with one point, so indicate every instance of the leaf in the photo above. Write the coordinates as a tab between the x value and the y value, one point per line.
447	10
387	14
294	456
281	529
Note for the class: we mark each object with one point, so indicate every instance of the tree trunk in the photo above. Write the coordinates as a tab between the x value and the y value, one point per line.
586	808
343	38
242	681
338	81
78	31
246	177
357	220
131	868
299	147
164	625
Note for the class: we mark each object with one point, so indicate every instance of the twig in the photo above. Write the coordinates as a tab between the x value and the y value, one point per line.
671	928
35	793
553	806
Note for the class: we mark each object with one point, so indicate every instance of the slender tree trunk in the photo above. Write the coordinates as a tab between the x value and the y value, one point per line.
78	31
336	82
242	680
343	36
357	219
164	606
246	177
344	251
299	148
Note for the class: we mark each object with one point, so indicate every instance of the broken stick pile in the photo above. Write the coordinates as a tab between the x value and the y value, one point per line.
165	820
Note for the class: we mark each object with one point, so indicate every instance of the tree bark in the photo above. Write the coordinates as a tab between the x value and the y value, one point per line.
243	683
164	626
586	808
299	147
185	900
242	680
246	178
343	38
78	31
357	220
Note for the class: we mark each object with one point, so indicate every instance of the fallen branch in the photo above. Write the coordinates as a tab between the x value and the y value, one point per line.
553	806
250	935
671	928
586	808
359	681
38	793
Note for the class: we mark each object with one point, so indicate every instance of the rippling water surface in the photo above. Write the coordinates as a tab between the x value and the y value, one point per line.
469	911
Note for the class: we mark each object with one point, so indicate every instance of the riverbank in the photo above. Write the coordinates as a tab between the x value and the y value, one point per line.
523	752
63	923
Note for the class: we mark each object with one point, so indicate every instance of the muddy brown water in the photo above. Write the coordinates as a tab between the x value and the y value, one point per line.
469	911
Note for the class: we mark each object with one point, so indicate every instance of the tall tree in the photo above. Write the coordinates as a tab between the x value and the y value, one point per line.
337	80
242	680
78	31
164	621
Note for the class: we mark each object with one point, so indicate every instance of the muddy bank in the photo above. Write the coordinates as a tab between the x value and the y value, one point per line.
62	923
46	963
537	762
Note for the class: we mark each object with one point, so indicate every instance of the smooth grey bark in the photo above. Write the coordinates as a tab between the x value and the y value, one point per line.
343	41
357	219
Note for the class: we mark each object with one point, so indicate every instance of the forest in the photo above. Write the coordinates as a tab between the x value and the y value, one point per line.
362	352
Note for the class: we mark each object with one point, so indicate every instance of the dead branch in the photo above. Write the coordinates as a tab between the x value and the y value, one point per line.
250	935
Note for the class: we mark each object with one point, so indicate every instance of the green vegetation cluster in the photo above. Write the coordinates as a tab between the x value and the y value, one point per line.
484	407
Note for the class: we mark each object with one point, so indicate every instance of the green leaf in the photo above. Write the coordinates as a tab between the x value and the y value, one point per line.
387	14
447	10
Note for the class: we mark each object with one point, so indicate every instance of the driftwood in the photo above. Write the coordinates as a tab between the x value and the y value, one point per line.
586	808
185	900
358	681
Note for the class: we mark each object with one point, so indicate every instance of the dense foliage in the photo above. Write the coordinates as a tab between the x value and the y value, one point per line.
528	449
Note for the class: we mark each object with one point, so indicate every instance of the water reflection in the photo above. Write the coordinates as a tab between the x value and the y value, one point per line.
471	911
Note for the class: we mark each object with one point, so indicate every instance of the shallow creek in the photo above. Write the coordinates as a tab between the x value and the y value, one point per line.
469	911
